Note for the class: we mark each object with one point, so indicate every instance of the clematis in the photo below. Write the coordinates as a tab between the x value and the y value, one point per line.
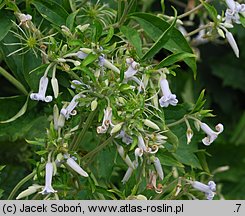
40	96
125	137
141	143
75	166
24	19
208	189
158	168
211	135
69	110
48	179
168	97
233	10
29	191
132	69
106	121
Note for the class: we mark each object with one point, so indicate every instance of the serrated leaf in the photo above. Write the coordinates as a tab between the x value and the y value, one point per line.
175	57
133	37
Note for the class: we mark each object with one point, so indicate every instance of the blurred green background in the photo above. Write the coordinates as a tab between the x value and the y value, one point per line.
219	72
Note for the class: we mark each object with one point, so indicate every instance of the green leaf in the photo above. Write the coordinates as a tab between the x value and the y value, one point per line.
175	57
172	139
97	31
242	19
133	37
200	102
159	44
42	152
89	59
19	114
211	10
168	160
14	81
6	24
108	37
71	19
51	11
238	136
154	28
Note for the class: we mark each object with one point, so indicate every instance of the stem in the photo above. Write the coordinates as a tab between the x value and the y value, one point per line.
192	11
165	190
176	123
23	181
100	147
199	29
84	130
14	81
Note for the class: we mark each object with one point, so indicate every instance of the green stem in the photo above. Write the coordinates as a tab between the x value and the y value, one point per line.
208	25
100	147
84	130
176	123
14	81
23	181
193	10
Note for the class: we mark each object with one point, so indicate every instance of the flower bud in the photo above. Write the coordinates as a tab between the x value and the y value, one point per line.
116	128
151	124
94	105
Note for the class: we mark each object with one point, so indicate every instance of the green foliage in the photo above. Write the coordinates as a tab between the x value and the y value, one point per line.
108	103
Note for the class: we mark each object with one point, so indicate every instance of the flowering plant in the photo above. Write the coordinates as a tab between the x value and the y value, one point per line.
108	119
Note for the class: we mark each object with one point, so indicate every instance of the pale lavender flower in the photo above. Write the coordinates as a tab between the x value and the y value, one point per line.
75	166
75	83
158	168
232	43
168	97
48	179
132	69
232	13
69	110
208	189
125	137
141	143
81	55
106	121
40	96
211	135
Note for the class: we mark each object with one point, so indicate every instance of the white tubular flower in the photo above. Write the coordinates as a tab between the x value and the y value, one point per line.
75	83
48	179
231	4
31	190
69	110
232	13
211	135
158	168
106	121
141	143
168	97
132	69
207	189
40	96
233	43
125	157
24	18
138	152
127	175
151	124
73	164
125	137
189	135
